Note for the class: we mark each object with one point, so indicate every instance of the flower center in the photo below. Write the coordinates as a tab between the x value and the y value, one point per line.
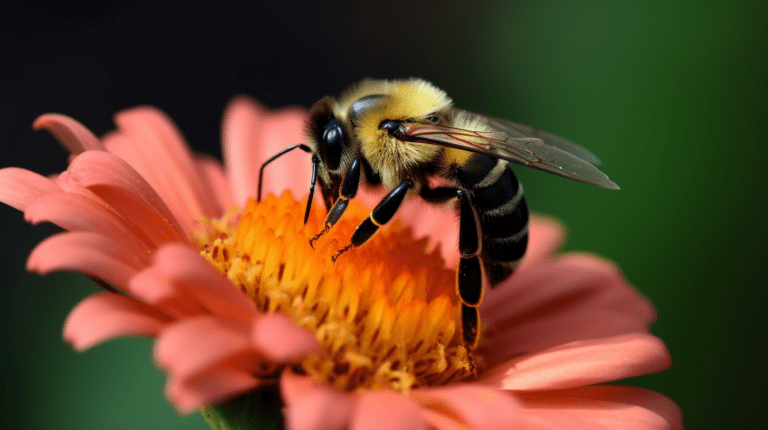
386	313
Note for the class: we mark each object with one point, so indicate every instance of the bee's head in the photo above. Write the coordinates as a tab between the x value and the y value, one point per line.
378	109
329	140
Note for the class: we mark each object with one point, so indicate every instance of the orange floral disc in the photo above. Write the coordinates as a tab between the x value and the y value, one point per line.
386	313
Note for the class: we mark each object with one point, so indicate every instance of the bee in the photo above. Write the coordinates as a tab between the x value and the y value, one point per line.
399	134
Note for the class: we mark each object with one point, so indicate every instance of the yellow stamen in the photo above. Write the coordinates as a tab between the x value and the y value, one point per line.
386	313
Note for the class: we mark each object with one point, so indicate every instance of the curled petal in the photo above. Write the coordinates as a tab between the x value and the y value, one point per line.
194	345
20	187
311	405
69	132
122	188
384	410
603	407
472	405
583	363
281	339
190	394
88	253
104	316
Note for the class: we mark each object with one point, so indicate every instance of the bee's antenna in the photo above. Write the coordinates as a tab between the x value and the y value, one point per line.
315	162
301	146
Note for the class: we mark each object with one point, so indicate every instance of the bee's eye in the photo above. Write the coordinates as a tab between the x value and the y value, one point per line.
333	141
393	127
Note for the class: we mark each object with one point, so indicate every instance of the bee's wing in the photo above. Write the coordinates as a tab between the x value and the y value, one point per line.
513	129
528	151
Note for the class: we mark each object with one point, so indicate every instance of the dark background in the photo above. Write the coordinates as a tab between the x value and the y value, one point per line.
672	97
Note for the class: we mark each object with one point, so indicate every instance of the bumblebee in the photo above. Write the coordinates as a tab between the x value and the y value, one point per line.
399	134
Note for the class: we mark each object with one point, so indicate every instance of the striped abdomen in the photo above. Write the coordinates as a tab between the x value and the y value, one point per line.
497	197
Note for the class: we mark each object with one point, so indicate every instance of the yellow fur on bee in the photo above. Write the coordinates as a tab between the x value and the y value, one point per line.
456	157
408	99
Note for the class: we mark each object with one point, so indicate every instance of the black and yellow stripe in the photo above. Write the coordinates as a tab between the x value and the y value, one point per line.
497	197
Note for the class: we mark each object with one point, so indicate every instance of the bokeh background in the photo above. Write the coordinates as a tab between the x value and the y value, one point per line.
672	96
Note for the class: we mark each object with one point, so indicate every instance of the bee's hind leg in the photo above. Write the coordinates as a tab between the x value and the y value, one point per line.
381	214
348	191
469	275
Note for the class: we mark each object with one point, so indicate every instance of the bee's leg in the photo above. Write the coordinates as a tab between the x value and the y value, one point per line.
348	191
301	146
381	214
469	276
470	324
470	279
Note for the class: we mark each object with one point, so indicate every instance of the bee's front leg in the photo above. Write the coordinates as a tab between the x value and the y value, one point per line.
348	191
381	214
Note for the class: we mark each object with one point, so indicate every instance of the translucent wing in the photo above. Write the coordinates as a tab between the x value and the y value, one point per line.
513	129
525	150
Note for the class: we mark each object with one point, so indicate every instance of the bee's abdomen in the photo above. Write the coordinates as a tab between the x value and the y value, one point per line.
497	196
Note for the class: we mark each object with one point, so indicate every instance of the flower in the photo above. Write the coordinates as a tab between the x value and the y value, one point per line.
238	299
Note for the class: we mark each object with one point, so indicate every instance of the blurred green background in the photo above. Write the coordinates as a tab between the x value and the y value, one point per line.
671	96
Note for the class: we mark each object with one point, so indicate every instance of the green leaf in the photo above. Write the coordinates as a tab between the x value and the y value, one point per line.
258	409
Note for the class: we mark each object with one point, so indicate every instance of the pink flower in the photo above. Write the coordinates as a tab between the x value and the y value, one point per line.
131	202
237	298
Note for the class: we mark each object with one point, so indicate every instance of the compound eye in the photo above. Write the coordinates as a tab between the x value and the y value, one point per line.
333	142
394	128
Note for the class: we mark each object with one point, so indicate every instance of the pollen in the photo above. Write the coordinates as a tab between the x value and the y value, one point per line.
386	313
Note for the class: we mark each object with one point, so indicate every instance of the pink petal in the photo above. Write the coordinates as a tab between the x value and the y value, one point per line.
75	212
567	277
441	421
311	405
164	159
192	346
582	363
104	316
438	224
153	287
281	339
472	405
242	119
384	409
292	171
545	237
197	279
603	407
558	329
87	253
524	310
121	187
20	187
212	387
214	174
250	135
70	133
